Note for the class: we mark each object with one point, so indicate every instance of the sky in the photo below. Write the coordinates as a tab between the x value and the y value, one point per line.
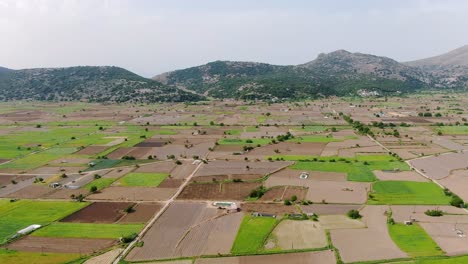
150	37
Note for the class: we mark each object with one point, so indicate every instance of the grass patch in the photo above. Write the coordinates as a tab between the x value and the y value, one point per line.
164	132
38	159
18	215
19	257
238	141
87	230
252	234
406	192
100	183
453	130
143	179
414	240
358	169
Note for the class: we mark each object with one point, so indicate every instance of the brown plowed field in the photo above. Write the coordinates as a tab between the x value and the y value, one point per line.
61	245
289	148
268	208
329	209
133	194
33	191
284	192
92	150
318	257
6	179
217	191
219	167
171	227
119	153
373	242
244	177
98	212
142	214
171	183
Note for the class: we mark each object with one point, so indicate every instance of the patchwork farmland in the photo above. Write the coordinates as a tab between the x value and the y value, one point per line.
241	183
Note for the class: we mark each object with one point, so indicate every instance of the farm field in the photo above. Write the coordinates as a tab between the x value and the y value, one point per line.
252	234
142	179
195	177
414	240
17	215
406	192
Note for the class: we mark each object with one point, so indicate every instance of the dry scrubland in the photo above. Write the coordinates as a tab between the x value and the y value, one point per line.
155	170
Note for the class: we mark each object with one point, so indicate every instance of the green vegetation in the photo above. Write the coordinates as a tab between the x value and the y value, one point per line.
100	183
453	130
17	215
237	141
315	138
358	169
19	257
85	230
35	160
252	234
164	132
143	179
406	192
414	240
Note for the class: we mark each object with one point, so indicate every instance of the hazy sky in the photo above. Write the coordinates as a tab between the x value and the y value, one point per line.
151	37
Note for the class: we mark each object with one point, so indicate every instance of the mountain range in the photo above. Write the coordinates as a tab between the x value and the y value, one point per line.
338	73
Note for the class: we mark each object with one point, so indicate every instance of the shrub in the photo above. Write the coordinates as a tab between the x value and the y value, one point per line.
93	189
434	213
129	238
287	202
293	198
457	201
354	214
129	209
258	192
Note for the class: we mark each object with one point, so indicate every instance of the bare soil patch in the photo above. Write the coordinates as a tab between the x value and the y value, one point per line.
284	192
91	150
322	257
269	208
400	176
217	191
173	226
329	209
438	167
171	183
99	212
133	194
291	234
374	242
219	167
33	191
445	235
61	245
142	214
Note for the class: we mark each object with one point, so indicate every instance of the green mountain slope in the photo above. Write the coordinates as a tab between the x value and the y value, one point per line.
336	73
95	84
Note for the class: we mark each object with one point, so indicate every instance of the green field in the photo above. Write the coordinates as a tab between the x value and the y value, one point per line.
406	192
413	240
237	141
452	260
358	169
143	179
85	230
100	183
38	159
252	234
454	130
164	132
20	214
315	139
18	257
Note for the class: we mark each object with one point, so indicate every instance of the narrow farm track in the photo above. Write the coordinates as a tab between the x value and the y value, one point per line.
166	204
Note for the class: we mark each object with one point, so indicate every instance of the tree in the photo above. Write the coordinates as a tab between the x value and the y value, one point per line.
354	214
93	189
